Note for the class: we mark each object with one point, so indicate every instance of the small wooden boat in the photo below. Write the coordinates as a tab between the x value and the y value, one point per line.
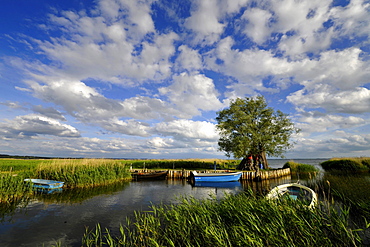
149	175
215	177
44	183
294	191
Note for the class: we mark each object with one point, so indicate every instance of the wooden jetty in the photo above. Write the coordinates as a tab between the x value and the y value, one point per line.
247	175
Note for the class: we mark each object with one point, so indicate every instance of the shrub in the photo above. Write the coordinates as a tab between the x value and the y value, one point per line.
300	168
346	164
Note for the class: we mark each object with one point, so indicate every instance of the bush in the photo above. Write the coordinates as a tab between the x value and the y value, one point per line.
366	162
300	168
354	165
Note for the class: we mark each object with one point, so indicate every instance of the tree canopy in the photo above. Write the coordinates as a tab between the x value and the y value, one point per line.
249	127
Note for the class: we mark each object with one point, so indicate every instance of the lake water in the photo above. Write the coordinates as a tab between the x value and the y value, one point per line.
279	163
62	217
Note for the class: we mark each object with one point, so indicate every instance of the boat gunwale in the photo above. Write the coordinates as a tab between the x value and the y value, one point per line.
42	181
275	193
219	174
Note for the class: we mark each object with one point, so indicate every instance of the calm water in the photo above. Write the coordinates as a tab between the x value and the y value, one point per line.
62	217
279	163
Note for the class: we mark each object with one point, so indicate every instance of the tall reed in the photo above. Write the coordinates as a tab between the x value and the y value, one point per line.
12	187
236	220
13	194
83	172
299	167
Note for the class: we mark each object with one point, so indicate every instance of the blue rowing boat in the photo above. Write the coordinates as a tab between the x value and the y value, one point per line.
216	177
44	183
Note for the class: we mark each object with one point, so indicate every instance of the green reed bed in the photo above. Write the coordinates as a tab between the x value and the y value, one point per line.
18	165
83	173
182	164
12	187
236	220
351	189
13	192
356	164
299	167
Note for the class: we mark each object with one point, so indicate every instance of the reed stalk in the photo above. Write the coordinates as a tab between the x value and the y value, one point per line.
236	220
83	173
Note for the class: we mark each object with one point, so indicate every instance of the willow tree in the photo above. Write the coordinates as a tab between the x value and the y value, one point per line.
249	127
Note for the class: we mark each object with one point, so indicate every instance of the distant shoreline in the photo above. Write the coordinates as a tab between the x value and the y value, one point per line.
2	156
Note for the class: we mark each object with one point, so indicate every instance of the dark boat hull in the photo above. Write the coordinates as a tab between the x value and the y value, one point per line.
149	175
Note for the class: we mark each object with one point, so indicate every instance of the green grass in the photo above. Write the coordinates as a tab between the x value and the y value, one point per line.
236	220
12	188
18	165
76	173
83	172
347	164
299	167
183	164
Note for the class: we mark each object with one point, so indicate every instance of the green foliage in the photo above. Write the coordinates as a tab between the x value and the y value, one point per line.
183	164
346	164
12	187
350	189
16	165
236	220
299	167
366	162
248	126
83	172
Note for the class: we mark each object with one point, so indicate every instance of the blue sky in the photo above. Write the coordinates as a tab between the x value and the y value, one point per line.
144	79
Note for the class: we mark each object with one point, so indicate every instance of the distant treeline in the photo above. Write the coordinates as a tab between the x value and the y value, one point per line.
183	164
23	157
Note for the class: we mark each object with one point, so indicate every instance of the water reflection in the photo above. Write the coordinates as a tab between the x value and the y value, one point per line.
233	185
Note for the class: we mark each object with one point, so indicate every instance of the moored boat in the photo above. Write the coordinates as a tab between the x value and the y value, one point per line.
150	175
44	183
215	177
294	191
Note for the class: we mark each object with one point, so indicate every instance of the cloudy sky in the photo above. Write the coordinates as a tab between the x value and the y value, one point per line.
144	79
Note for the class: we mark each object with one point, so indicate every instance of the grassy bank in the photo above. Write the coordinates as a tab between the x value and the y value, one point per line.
300	168
236	220
347	164
76	173
183	164
12	188
83	172
18	165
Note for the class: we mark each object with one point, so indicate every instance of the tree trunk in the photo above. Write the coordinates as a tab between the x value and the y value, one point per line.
245	164
264	160
242	164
